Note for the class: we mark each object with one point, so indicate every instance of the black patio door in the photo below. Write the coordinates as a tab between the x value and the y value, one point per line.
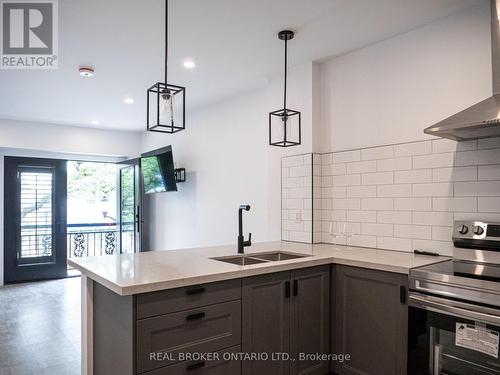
34	219
130	206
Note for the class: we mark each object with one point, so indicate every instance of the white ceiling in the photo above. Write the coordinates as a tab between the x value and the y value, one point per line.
233	43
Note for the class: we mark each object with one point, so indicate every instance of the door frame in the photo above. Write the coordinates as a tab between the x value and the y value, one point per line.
138	209
13	270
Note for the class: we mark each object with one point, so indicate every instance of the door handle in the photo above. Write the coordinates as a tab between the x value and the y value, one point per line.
287	289
402	294
196	290
295	288
138	218
195	366
196	316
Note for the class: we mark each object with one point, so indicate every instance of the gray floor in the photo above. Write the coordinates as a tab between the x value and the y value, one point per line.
40	328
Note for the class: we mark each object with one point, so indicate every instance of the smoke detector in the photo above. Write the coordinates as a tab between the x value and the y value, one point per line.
86	71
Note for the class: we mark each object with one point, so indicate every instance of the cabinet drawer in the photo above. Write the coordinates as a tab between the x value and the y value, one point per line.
205	329
220	365
179	299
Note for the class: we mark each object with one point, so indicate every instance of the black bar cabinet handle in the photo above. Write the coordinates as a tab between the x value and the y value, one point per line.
196	316
287	289
295	288
402	294
196	290
194	366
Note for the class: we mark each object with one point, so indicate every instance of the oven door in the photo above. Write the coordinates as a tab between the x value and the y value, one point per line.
450	337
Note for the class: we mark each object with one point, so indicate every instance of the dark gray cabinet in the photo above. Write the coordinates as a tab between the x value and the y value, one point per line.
370	318
266	316
309	319
286	313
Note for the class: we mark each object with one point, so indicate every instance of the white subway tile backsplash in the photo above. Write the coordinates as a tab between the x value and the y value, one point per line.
346	156
454	174
394	191
362	216
489	172
362	240
292	161
479	157
433	218
392	243
334	192
334	215
299	171
394	217
346	180
447	145
394	164
442	233
433	161
362	167
491	217
292	182
477	189
352	204
413	204
438	189
326	159
414	148
488	143
413	231
376	229
398	197
379	178
381	204
361	191
413	177
455	204
382	152
488	204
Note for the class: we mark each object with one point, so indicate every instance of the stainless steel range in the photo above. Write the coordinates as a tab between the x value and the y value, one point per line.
454	314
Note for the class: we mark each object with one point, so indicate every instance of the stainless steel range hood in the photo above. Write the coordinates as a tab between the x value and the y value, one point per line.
482	120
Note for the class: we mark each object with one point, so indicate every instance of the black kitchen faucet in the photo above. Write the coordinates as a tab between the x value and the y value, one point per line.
241	240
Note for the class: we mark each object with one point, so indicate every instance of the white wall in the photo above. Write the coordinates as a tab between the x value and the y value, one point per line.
55	141
389	92
229	162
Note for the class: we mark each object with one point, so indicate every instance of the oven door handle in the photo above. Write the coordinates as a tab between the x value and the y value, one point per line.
459	309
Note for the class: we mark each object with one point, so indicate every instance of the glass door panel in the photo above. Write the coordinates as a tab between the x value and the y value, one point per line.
129	206
128	209
36	214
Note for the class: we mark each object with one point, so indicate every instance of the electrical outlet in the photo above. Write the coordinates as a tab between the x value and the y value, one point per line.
298	217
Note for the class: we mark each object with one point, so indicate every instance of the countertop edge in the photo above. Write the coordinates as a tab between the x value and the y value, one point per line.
248	271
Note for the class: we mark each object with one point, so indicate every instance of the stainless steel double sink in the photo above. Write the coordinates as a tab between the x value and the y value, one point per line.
257	258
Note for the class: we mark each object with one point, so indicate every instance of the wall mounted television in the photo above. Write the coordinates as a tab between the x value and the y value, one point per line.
157	168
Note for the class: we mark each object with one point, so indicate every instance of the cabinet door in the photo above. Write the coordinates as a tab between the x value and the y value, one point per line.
265	317
371	318
309	319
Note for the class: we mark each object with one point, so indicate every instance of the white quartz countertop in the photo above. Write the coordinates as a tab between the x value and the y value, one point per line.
128	274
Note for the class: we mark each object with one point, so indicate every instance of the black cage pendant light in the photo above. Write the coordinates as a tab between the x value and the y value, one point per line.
284	124
166	110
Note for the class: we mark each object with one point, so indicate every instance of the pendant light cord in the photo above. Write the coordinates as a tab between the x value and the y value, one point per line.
286	65
166	39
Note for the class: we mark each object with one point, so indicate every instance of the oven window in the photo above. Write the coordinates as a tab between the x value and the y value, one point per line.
433	349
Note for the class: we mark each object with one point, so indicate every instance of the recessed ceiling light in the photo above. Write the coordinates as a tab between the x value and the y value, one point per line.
129	100
94	122
189	64
86	71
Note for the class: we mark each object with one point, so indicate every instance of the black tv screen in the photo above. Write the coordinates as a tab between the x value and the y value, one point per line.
158	171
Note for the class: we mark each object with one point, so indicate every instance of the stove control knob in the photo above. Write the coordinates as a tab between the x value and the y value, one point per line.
462	229
478	230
